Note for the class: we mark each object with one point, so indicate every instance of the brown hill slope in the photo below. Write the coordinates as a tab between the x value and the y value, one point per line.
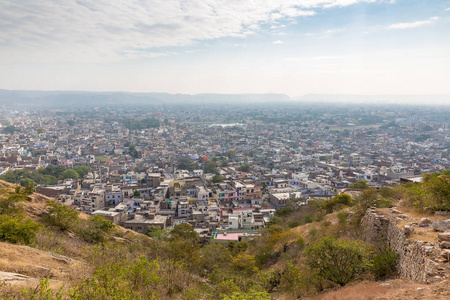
62	256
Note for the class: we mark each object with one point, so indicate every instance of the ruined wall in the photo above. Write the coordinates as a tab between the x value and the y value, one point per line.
418	260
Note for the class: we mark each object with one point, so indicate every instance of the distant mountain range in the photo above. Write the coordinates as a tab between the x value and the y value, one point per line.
377	99
70	98
58	98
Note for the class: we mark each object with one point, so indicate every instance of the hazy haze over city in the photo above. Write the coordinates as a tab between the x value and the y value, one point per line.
293	47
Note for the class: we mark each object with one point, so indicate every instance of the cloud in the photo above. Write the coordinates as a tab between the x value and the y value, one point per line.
312	58
447	9
324	34
341	3
103	30
278	42
413	24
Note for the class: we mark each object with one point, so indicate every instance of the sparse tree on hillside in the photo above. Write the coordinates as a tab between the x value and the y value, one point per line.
337	261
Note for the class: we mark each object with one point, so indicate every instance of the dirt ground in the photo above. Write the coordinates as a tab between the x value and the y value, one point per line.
389	290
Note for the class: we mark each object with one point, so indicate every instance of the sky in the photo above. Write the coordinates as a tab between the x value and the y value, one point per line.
294	47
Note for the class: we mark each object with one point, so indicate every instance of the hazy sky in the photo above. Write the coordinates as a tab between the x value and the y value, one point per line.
227	46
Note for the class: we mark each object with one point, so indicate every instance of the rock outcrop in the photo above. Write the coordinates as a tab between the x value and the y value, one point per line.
423	261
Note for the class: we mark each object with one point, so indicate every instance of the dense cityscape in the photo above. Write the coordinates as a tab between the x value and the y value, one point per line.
221	168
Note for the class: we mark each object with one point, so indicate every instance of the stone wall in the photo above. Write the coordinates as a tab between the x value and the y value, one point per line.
418	260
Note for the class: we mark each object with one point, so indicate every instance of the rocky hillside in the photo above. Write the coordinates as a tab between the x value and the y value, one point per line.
386	244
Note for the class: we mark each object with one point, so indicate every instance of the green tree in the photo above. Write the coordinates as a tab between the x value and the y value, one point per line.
17	230
51	170
29	188
25	181
157	233
136	193
132	150
211	168
184	231
10	129
244	168
96	229
40	130
217	179
337	261
244	264
60	216
384	263
185	163
69	173
83	170
49	180
438	186
12	205
337	201
223	162
360	184
284	211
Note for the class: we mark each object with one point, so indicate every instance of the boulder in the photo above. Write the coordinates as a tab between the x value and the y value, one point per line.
446	254
441	225
396	211
441	213
425	222
444	236
445	245
408	229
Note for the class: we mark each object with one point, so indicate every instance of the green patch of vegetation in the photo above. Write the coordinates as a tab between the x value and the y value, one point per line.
211	167
47	176
60	216
217	179
360	184
14	226
82	170
96	229
10	129
104	158
336	202
384	263
134	124
432	194
244	168
188	164
18	230
338	261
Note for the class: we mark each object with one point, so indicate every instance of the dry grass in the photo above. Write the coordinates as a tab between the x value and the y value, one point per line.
304	230
5	184
426	234
39	264
420	233
419	215
393	289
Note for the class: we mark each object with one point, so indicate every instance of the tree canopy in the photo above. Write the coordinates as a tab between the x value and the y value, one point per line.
211	167
83	170
217	179
69	173
360	184
244	168
184	231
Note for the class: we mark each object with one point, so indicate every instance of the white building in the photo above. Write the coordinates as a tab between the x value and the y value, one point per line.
233	221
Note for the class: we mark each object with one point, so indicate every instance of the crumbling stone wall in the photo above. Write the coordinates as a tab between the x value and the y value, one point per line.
418	260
